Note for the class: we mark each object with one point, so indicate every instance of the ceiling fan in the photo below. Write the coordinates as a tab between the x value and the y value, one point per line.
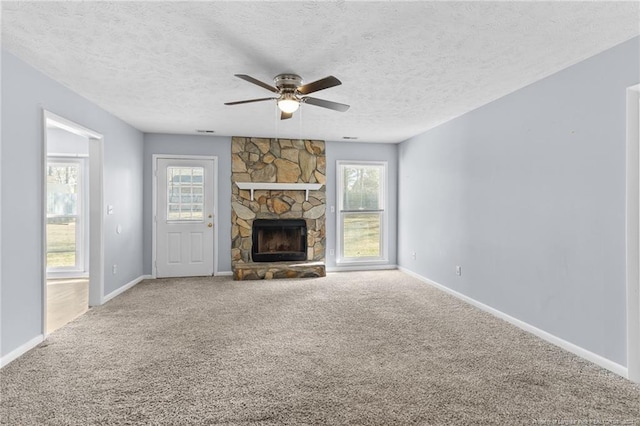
291	93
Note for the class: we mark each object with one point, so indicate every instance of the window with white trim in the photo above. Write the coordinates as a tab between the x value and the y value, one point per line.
362	221
66	212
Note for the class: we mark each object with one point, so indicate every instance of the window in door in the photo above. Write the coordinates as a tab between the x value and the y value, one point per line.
362	225
185	199
65	233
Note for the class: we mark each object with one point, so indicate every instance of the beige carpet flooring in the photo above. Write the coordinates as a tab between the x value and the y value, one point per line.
372	348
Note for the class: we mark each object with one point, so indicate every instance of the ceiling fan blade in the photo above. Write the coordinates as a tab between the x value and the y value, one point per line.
323	83
258	82
285	115
325	104
248	101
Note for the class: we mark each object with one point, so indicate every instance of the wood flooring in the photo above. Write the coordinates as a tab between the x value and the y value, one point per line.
67	299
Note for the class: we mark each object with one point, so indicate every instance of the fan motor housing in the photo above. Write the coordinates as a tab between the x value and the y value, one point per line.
287	81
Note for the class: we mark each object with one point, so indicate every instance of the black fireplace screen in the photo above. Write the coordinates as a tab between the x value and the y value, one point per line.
276	240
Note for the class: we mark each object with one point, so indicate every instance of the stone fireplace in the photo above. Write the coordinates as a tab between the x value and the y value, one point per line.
278	208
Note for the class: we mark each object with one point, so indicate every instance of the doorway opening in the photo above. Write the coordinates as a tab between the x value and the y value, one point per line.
67	232
72	258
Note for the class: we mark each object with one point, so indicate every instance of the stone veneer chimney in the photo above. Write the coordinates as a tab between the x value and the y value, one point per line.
262	160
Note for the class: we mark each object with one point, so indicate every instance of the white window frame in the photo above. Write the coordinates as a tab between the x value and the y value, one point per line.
82	232
384	216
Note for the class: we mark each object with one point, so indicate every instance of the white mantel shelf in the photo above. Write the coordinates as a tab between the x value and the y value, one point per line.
267	186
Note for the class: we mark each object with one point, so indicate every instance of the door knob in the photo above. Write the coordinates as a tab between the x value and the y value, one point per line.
210	225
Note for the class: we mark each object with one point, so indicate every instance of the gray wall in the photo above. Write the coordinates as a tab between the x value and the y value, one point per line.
527	194
25	92
221	147
191	145
337	151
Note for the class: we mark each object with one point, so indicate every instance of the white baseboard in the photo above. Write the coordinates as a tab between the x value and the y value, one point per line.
568	346
360	268
223	274
125	287
21	350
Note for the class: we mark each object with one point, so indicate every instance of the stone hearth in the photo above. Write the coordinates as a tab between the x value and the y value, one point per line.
277	161
271	270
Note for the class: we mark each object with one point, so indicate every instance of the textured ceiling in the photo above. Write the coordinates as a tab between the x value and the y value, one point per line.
405	67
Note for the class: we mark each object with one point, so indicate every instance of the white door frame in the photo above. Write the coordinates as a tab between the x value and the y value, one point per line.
154	209
633	233
96	219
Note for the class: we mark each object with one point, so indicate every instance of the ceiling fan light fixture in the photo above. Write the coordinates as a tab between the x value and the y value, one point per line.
288	105
291	93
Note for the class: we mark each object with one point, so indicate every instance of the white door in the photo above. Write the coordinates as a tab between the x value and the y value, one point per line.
184	217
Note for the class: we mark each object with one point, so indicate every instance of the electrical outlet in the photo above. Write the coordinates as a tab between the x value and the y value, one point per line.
114	269
413	255
458	270
332	252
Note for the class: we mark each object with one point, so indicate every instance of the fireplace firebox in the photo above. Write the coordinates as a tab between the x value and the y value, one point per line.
276	240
